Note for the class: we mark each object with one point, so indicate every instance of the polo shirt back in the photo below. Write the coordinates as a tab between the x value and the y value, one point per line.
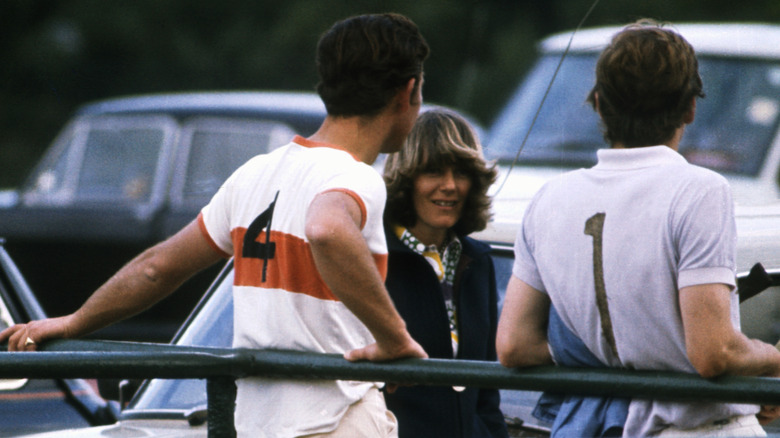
280	301
613	244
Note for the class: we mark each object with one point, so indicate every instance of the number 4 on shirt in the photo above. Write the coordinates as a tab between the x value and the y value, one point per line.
260	250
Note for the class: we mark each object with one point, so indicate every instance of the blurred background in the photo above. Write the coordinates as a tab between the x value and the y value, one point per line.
58	54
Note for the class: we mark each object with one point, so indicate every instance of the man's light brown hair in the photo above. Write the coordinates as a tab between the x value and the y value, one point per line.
646	80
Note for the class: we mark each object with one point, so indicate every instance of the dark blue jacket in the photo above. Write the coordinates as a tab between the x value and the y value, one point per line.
434	411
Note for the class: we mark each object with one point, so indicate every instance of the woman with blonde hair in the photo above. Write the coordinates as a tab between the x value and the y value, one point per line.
441	281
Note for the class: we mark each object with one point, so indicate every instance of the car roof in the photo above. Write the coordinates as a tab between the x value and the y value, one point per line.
303	109
217	102
724	39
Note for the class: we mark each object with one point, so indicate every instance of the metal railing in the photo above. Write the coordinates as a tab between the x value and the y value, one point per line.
221	366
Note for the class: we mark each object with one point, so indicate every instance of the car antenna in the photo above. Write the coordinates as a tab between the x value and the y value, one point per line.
544	97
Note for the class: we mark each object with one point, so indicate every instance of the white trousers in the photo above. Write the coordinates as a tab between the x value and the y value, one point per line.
739	426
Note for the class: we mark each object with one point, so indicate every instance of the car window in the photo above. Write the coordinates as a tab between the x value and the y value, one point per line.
119	164
566	131
212	327
735	123
110	158
47	183
733	131
213	148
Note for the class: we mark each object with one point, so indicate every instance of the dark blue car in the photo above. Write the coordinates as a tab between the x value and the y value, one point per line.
30	406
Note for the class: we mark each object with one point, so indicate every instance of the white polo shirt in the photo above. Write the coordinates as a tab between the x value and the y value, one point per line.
631	231
280	300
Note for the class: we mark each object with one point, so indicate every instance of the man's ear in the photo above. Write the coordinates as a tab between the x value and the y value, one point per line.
408	95
415	98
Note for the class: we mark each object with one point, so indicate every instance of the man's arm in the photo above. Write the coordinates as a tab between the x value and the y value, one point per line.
521	340
713	345
346	265
148	278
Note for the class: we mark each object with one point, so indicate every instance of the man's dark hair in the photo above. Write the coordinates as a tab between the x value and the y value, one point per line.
646	80
362	61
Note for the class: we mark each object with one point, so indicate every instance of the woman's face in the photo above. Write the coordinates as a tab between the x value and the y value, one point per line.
438	199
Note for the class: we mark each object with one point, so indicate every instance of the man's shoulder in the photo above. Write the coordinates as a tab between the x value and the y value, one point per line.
564	181
705	175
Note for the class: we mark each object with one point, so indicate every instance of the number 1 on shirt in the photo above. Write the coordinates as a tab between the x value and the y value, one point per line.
594	226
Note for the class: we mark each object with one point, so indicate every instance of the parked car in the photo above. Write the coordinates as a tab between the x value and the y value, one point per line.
38	405
126	173
736	133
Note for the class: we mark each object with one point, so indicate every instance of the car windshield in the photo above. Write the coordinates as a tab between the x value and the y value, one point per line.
212	327
732	133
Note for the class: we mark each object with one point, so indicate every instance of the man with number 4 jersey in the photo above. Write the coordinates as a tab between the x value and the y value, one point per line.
304	225
631	263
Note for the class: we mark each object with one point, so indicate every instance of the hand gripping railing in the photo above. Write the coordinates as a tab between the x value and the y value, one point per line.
221	366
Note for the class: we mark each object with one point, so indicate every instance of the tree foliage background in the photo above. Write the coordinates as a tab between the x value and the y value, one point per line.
58	54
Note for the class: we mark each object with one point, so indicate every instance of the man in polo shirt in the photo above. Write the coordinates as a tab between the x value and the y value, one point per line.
304	225
631	263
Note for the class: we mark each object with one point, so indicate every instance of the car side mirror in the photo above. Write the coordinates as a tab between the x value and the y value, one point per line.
121	390
756	282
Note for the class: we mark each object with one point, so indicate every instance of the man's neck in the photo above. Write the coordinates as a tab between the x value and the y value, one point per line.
357	135
673	143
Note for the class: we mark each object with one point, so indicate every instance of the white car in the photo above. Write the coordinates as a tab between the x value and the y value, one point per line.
736	132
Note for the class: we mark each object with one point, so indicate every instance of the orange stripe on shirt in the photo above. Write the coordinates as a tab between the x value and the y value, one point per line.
291	268
318	144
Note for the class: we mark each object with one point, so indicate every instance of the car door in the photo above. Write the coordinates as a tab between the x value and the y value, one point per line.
38	405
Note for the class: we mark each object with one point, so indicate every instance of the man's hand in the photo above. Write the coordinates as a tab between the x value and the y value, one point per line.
375	353
27	337
768	414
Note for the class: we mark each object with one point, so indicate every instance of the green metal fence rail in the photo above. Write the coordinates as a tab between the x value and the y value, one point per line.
221	366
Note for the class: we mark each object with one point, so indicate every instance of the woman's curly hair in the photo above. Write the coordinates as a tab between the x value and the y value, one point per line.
440	138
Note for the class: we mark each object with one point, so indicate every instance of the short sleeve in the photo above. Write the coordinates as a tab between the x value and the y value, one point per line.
525	267
367	187
215	217
707	236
